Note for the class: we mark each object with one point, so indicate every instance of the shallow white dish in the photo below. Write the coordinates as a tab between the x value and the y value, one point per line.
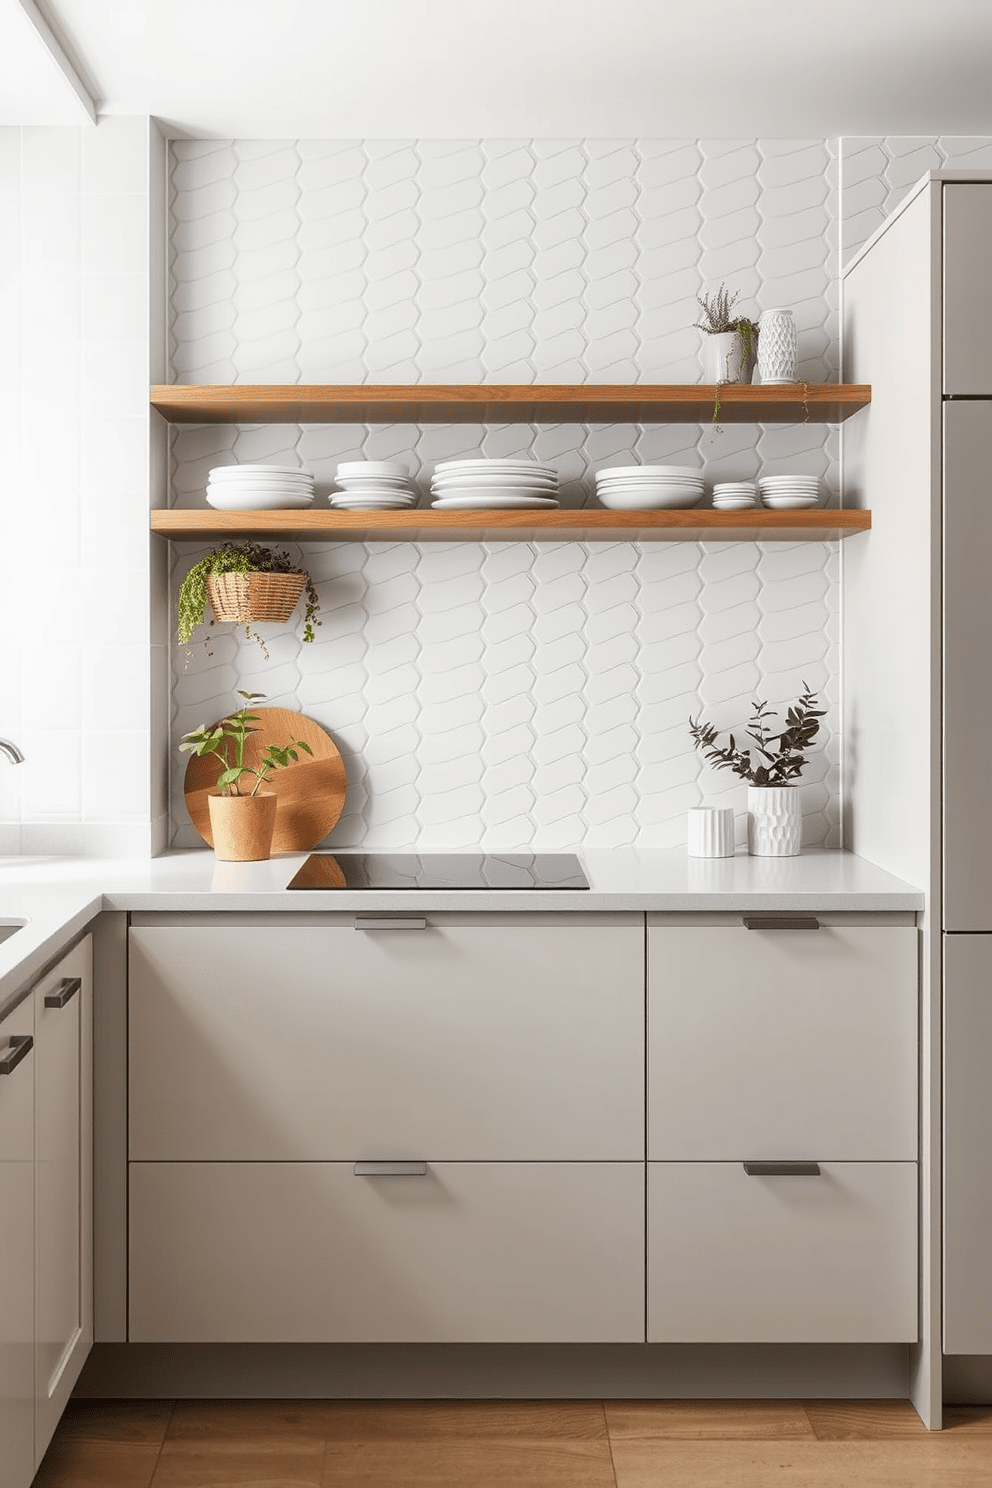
734	488
369	503
660	500
392	468
467	478
493	502
253	501
789	503
267	472
733	503
772	481
677	472
502	467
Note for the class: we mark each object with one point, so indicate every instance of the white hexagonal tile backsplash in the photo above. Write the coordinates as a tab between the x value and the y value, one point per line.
512	695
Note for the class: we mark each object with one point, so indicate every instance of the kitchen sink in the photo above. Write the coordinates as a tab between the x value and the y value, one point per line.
9	928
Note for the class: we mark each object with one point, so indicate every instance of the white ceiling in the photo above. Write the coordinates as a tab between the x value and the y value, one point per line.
464	68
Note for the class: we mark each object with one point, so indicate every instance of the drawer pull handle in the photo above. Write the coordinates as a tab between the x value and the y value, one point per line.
20	1043
64	992
379	922
782	1169
390	1169
781	922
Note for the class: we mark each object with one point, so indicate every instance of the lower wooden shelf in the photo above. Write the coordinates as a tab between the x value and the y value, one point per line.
583	524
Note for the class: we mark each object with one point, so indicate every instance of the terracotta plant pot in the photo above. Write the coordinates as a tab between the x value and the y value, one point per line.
242	826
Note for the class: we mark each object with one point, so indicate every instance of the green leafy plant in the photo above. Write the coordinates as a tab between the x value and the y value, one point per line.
227	741
244	557
781	756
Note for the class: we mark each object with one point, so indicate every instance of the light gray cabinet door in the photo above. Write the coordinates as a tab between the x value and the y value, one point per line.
479	1042
64	1290
17	1457
967	288
968	1144
967	665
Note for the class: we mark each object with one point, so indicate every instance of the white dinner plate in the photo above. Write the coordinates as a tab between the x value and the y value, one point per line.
499	467
676	472
492	501
267	472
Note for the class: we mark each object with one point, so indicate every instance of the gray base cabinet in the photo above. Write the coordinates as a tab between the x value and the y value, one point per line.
46	1263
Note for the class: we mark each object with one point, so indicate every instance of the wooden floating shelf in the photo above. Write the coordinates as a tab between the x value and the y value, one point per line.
581	524
420	403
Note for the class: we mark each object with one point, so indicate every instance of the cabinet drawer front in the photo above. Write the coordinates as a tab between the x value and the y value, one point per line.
309	1252
739	1259
782	1043
460	1043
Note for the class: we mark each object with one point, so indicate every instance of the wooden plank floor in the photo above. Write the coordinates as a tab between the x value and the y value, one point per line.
515	1444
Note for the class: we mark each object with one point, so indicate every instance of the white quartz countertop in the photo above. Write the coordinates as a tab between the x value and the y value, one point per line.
58	897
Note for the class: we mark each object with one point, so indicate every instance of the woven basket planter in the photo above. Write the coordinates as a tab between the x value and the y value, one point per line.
254	597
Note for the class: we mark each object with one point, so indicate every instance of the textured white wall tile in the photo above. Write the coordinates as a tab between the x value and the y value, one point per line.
512	694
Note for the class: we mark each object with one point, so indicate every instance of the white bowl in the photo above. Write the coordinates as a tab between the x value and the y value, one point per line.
264	472
664	497
501	467
733	503
374	483
734	487
788	480
789	503
254	501
373	467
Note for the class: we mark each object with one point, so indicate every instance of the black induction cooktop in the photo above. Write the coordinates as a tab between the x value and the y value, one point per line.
440	871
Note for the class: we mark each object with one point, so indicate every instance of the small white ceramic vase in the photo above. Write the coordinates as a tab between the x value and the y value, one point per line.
721	357
711	832
778	349
774	821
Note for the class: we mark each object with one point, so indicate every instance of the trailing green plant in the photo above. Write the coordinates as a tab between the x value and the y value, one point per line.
717	320
781	756
247	557
227	741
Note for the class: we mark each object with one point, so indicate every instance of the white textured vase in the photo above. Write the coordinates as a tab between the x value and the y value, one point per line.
774	821
721	357
778	348
711	832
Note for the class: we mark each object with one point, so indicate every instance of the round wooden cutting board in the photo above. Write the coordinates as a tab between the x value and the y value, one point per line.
311	793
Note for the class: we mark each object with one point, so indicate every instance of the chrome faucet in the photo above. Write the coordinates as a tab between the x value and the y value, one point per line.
12	752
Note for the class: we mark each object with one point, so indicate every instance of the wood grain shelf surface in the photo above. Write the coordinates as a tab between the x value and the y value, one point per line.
418	403
582	524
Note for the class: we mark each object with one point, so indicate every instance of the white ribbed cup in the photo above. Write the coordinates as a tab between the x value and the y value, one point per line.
711	832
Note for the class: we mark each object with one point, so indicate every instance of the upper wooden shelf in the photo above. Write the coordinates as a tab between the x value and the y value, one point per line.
582	524
419	403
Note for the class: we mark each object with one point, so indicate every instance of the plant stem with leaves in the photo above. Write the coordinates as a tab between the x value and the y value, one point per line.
781	756
227	741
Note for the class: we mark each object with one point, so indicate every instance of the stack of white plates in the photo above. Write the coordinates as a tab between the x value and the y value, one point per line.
373	485
649	487
467	485
259	487
734	495
789	492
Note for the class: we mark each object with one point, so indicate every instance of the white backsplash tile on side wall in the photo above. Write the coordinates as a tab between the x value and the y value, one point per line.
512	694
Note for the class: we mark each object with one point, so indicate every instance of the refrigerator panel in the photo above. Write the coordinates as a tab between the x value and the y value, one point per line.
967	855
968	1144
967	302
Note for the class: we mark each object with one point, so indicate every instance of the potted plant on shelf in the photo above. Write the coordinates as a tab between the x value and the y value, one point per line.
774	823
241	821
729	342
248	584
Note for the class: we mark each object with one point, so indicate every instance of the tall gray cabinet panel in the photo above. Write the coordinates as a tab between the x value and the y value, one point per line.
967	301
967	654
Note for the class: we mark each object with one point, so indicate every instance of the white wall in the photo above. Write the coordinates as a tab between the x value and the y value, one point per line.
76	620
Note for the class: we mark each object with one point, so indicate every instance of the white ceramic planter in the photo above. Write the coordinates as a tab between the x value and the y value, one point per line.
774	821
720	357
711	832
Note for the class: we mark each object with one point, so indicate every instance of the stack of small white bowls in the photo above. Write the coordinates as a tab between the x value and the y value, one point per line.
734	495
789	492
649	487
373	485
478	485
259	487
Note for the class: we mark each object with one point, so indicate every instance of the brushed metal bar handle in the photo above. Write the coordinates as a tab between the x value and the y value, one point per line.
390	1169
781	922
64	992
20	1044
755	1169
378	922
